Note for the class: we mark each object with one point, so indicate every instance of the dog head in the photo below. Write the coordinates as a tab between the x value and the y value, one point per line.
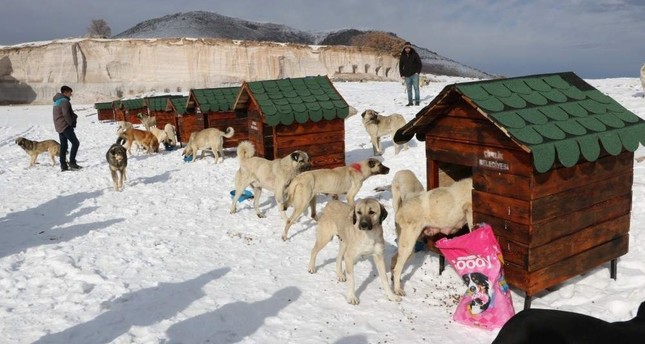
23	143
376	167
117	153
370	116
367	213
300	161
479	289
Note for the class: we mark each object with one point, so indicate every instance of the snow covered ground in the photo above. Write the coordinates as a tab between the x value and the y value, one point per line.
163	261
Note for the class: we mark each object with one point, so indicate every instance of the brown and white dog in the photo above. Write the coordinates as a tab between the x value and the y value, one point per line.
361	233
117	159
378	125
143	138
35	148
345	180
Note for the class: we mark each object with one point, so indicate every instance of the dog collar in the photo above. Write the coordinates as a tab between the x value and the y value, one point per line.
357	167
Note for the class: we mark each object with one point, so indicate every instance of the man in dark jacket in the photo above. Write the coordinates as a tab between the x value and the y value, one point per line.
409	69
65	122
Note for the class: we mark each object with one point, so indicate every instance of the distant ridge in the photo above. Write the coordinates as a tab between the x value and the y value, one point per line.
203	24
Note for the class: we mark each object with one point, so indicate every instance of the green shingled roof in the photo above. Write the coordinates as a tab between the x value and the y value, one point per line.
179	103
557	116
216	99
311	98
103	106
131	104
159	103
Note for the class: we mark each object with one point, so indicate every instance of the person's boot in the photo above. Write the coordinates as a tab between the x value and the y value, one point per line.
73	166
64	168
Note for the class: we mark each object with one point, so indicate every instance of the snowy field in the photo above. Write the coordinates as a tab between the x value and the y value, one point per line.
163	261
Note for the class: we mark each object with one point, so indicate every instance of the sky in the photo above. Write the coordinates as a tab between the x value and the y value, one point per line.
595	39
164	261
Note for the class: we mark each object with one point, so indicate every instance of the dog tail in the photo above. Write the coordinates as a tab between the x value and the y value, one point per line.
245	150
229	132
121	138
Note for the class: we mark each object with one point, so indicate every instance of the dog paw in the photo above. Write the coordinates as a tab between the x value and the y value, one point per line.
342	278
261	215
311	269
399	291
394	298
284	237
352	300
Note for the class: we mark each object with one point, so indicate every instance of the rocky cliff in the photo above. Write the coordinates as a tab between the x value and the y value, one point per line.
107	69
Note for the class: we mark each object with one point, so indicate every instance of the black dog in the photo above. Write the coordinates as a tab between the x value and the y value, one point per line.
559	327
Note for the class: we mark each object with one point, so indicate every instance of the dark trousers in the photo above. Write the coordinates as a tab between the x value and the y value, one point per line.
68	135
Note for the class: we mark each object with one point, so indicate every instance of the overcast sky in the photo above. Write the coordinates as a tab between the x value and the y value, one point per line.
594	38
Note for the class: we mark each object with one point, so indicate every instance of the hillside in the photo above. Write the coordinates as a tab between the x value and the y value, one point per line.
202	24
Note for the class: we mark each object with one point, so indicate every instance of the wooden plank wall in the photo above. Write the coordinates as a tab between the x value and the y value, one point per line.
221	120
324	141
188	124
260	134
106	114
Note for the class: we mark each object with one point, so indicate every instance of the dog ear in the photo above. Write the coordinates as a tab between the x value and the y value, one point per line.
383	214
295	156
363	114
372	162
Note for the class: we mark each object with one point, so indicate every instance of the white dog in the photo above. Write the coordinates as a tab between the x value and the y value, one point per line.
361	233
345	180
378	126
260	173
171	133
405	185
440	210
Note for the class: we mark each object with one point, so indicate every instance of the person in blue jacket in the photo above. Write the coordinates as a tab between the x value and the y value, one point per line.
409	69
65	122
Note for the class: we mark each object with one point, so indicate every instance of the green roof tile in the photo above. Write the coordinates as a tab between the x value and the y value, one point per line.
558	117
219	99
103	106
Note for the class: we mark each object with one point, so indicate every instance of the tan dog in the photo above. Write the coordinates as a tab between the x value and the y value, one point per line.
147	121
378	126
35	148
209	138
440	210
123	126
143	138
260	173
340	180
405	185
361	233
171	133
161	135
117	159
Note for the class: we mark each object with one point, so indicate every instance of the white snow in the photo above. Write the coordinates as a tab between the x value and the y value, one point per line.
163	261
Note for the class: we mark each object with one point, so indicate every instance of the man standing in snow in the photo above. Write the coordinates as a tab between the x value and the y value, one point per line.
409	69
65	122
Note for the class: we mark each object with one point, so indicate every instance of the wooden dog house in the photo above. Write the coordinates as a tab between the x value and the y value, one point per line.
552	166
129	108
105	111
160	108
215	105
296	113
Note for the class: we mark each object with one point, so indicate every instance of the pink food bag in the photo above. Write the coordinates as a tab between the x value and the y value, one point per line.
477	258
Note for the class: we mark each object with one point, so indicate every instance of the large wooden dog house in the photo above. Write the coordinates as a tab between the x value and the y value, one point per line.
296	113
215	105
552	166
105	111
